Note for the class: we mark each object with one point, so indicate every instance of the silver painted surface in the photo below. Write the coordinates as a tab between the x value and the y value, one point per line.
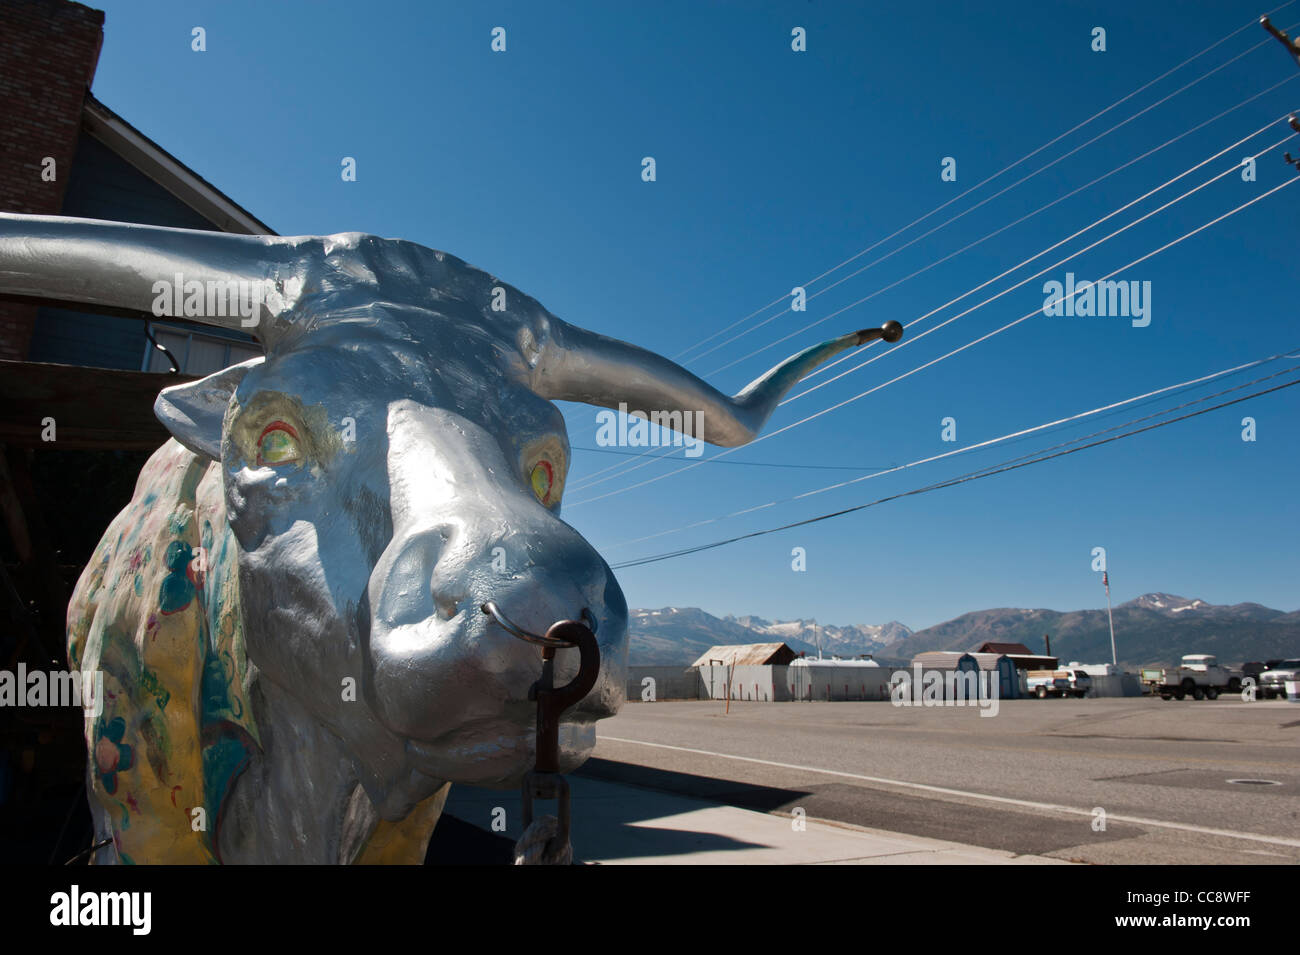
422	411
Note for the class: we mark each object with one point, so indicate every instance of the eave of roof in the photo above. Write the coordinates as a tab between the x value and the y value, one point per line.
169	172
995	646
742	654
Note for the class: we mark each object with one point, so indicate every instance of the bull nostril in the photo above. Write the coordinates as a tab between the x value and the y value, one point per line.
447	607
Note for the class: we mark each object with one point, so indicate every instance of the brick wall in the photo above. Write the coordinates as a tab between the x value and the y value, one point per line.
48	53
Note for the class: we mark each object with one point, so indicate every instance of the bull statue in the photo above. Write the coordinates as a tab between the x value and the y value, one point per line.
287	613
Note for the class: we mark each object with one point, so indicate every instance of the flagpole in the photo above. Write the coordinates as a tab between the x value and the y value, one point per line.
1105	579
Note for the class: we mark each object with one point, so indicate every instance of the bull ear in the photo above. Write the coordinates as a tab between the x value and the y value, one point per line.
194	412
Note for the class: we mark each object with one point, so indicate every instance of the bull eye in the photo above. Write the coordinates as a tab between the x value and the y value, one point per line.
277	445
543	478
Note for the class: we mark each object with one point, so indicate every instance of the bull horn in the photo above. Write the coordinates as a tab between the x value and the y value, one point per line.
115	266
578	365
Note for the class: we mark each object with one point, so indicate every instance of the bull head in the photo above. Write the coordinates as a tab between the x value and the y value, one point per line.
392	463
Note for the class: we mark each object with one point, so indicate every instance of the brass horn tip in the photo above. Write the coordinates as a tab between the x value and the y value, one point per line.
891	331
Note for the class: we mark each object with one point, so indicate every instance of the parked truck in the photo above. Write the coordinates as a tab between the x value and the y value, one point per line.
1199	676
1062	683
1080	683
1274	680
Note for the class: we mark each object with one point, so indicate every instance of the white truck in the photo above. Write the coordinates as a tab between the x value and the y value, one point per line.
1045	683
1274	681
1064	682
1198	676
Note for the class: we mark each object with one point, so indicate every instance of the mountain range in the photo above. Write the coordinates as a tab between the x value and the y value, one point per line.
1153	628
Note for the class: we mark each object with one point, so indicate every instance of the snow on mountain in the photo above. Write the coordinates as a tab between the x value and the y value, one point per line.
1153	628
846	640
679	635
1166	603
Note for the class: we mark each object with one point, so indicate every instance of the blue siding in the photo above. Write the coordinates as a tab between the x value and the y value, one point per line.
104	186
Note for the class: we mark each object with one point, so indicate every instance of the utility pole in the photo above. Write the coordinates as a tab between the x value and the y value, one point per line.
1105	579
1295	124
1292	46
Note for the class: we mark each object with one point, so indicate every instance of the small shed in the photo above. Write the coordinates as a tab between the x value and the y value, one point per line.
1004	665
745	671
952	660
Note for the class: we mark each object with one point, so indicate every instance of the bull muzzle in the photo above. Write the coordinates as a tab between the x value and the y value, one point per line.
552	701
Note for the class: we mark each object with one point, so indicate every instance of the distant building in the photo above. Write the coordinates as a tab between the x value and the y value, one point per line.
746	654
948	660
94	372
811	678
1021	655
62	152
771	672
803	661
1007	666
991	647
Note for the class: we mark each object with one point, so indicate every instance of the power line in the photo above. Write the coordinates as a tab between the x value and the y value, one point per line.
1088	248
972	476
982	338
1005	189
1164	411
1016	436
1030	215
594	479
995	175
751	464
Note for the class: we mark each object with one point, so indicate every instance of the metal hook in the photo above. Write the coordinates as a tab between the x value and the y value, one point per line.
544	780
509	626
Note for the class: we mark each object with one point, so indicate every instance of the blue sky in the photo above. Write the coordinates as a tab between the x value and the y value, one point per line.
772	167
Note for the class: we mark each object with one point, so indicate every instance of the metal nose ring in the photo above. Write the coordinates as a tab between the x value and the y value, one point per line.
509	626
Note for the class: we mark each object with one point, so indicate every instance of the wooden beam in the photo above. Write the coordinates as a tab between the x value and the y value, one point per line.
92	408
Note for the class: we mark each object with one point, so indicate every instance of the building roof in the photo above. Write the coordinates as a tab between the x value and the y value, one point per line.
751	654
1033	661
169	172
832	662
1011	648
947	659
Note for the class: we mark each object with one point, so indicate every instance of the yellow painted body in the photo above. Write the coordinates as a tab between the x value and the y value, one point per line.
157	611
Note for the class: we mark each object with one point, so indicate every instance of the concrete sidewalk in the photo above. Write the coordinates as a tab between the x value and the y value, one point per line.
619	824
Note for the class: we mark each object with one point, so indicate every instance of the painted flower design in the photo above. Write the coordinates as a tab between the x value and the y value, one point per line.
177	588
111	754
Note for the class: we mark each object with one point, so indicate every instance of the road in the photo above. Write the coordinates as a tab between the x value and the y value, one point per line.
1032	779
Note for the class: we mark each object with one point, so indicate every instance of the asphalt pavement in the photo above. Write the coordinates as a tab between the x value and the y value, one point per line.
1135	780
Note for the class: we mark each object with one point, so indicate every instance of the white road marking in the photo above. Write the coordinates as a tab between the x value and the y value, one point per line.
1007	800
